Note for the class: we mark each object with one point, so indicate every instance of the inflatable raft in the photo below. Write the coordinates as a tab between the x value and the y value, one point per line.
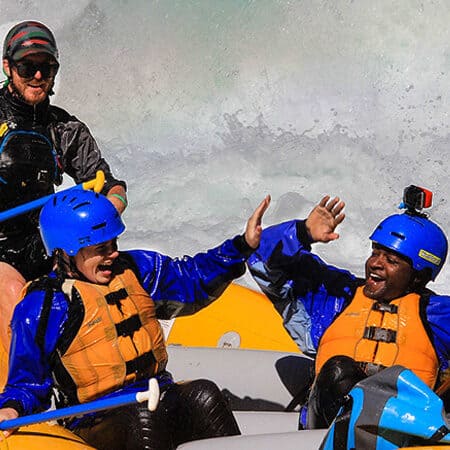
238	342
295	440
253	380
239	318
258	394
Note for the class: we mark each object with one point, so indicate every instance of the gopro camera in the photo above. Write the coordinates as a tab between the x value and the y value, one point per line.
416	198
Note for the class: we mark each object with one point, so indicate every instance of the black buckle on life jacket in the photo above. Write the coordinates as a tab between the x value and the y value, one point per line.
114	298
380	334
129	326
385	307
142	365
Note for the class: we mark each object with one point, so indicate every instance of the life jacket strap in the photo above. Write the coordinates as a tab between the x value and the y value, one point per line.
142	365
113	298
385	307
380	334
129	326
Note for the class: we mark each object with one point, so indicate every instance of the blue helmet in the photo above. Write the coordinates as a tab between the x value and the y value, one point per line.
415	237
76	219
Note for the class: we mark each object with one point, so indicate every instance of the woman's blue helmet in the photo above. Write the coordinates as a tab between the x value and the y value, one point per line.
76	219
415	237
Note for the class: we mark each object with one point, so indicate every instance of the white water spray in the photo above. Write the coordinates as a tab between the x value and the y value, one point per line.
204	107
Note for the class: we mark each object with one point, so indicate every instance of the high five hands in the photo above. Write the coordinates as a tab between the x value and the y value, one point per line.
324	218
254	228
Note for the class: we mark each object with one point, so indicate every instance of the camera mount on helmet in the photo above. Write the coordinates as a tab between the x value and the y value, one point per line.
415	199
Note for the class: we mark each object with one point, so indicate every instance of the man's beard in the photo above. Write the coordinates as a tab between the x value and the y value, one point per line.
17	94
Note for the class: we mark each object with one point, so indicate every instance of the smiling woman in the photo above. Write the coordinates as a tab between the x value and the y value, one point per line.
95	329
95	262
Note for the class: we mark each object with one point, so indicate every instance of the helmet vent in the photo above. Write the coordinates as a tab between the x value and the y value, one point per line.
100	225
398	235
80	205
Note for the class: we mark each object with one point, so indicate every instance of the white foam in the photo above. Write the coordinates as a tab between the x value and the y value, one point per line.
204	107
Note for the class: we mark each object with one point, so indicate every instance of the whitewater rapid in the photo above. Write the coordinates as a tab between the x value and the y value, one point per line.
205	106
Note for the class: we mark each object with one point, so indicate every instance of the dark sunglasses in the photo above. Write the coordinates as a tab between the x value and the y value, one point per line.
27	69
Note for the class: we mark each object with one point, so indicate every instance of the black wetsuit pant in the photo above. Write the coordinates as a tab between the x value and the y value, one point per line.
187	411
329	392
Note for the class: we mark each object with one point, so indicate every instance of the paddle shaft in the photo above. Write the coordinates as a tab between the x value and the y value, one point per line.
67	412
152	395
96	184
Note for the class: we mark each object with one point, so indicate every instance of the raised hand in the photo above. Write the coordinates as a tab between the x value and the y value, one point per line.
254	229
324	218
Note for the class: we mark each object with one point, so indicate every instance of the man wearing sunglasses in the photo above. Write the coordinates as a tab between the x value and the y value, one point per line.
38	143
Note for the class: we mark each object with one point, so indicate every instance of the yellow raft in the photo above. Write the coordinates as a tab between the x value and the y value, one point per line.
43	436
240	318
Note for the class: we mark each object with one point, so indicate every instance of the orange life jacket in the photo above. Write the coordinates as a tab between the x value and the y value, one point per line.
120	339
385	335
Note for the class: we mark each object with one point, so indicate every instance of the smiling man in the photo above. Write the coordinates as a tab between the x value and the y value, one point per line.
39	142
356	327
32	77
